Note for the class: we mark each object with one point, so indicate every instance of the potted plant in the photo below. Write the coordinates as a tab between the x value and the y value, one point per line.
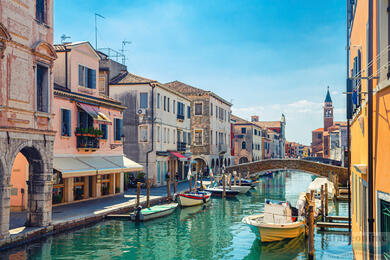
78	131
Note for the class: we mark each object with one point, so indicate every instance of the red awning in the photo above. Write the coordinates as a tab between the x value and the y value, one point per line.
179	155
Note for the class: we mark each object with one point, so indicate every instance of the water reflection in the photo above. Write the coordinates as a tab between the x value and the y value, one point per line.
212	231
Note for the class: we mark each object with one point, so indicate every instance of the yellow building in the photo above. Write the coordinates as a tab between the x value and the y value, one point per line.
369	25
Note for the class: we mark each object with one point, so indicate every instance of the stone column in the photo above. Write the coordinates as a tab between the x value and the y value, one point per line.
40	201
93	185
86	187
68	182
121	182
98	185
5	196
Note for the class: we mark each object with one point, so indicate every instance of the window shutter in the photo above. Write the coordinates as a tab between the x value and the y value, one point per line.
68	119
120	128
81	76
86	80
93	79
115	129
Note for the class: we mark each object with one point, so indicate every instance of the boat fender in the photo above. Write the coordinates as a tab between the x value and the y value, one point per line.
138	215
204	199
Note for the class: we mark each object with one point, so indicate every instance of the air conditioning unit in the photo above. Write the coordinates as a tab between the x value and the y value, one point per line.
141	111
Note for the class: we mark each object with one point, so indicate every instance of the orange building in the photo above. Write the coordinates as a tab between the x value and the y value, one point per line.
368	111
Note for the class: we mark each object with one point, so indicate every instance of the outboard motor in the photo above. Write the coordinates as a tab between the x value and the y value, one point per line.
138	215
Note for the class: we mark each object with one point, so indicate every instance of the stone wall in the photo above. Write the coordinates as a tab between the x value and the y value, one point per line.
318	169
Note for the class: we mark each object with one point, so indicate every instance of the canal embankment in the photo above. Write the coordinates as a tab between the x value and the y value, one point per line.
72	216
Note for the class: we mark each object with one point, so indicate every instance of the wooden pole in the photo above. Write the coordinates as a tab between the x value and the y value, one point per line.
196	183
168	188
326	199
174	184
235	178
230	181
138	194
322	203
311	229
201	182
211	181
307	203
224	185
148	193
239	179
337	186
190	183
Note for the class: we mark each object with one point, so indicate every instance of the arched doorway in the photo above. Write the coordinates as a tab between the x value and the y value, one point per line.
243	160
212	164
200	164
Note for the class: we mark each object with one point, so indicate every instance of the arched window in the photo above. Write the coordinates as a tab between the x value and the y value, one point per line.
243	145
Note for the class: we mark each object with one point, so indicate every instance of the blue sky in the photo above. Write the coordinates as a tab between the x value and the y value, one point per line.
267	56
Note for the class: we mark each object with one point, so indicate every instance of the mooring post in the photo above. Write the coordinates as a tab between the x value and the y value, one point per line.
239	179
326	199
169	188
311	229
148	193
235	178
307	203
196	183
174	184
190	183
230	181
322	203
138	194
224	185
211	181
201	181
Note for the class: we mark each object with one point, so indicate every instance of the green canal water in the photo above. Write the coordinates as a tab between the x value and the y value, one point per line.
214	231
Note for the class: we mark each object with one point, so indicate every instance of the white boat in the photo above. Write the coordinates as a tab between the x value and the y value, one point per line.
153	212
240	189
188	199
276	223
218	191
316	186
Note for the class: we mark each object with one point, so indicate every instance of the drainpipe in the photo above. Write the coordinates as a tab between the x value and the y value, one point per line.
152	149
66	67
370	134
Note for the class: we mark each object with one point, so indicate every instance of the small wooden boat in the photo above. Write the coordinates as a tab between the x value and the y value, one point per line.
153	212
276	223
219	190
188	199
240	189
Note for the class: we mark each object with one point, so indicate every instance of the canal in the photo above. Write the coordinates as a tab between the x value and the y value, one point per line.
214	231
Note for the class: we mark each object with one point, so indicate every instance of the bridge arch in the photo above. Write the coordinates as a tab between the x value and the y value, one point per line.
315	168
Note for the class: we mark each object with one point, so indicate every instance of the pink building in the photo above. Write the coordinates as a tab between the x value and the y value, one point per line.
88	153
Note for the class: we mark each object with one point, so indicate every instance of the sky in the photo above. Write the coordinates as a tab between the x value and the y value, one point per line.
267	57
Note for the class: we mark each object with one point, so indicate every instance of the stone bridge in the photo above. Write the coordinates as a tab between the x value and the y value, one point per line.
315	168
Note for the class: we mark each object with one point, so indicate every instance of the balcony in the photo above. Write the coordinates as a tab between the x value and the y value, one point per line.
88	142
222	148
180	117
181	146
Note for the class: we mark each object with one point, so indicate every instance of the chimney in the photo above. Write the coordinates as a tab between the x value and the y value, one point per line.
255	118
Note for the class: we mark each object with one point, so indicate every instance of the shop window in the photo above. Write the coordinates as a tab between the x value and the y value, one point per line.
143	97
117	129
78	184
198	137
42	78
198	109
103	128
105	184
58	188
65	122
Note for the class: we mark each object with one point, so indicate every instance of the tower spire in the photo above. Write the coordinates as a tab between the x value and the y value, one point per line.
328	99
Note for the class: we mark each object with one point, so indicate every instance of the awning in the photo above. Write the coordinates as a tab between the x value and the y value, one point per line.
124	162
102	166
71	167
180	156
94	112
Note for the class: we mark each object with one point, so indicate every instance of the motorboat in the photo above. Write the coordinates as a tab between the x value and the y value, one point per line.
153	212
276	223
187	199
316	186
240	189
218	191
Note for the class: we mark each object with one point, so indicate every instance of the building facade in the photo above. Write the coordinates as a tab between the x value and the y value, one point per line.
26	111
369	25
247	141
157	122
210	127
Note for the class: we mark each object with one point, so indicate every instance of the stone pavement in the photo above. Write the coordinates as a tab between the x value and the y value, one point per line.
64	213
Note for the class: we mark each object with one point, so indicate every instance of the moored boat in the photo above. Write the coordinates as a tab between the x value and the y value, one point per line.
153	212
188	199
276	223
316	186
240	189
218	191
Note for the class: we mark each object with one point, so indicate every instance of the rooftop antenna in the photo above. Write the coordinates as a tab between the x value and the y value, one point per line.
64	37
124	42
96	41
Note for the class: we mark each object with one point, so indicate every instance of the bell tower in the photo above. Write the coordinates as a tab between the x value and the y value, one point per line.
328	111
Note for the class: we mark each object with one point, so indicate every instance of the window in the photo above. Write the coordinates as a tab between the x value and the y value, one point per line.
168	104
173	136
103	128
165	135
42	78
188	112
319	136
211	137
243	145
180	110
117	129
255	131
198	109
173	106
143	100
189	138
85	121
40	13
211	109
165	103
169	136
243	130
158	134
143	133
158	100
198	137
87	77
65	122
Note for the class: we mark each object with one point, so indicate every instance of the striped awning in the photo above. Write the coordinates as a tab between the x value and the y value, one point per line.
94	112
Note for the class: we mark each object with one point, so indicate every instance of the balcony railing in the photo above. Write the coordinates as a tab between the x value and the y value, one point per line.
222	147
91	142
181	146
